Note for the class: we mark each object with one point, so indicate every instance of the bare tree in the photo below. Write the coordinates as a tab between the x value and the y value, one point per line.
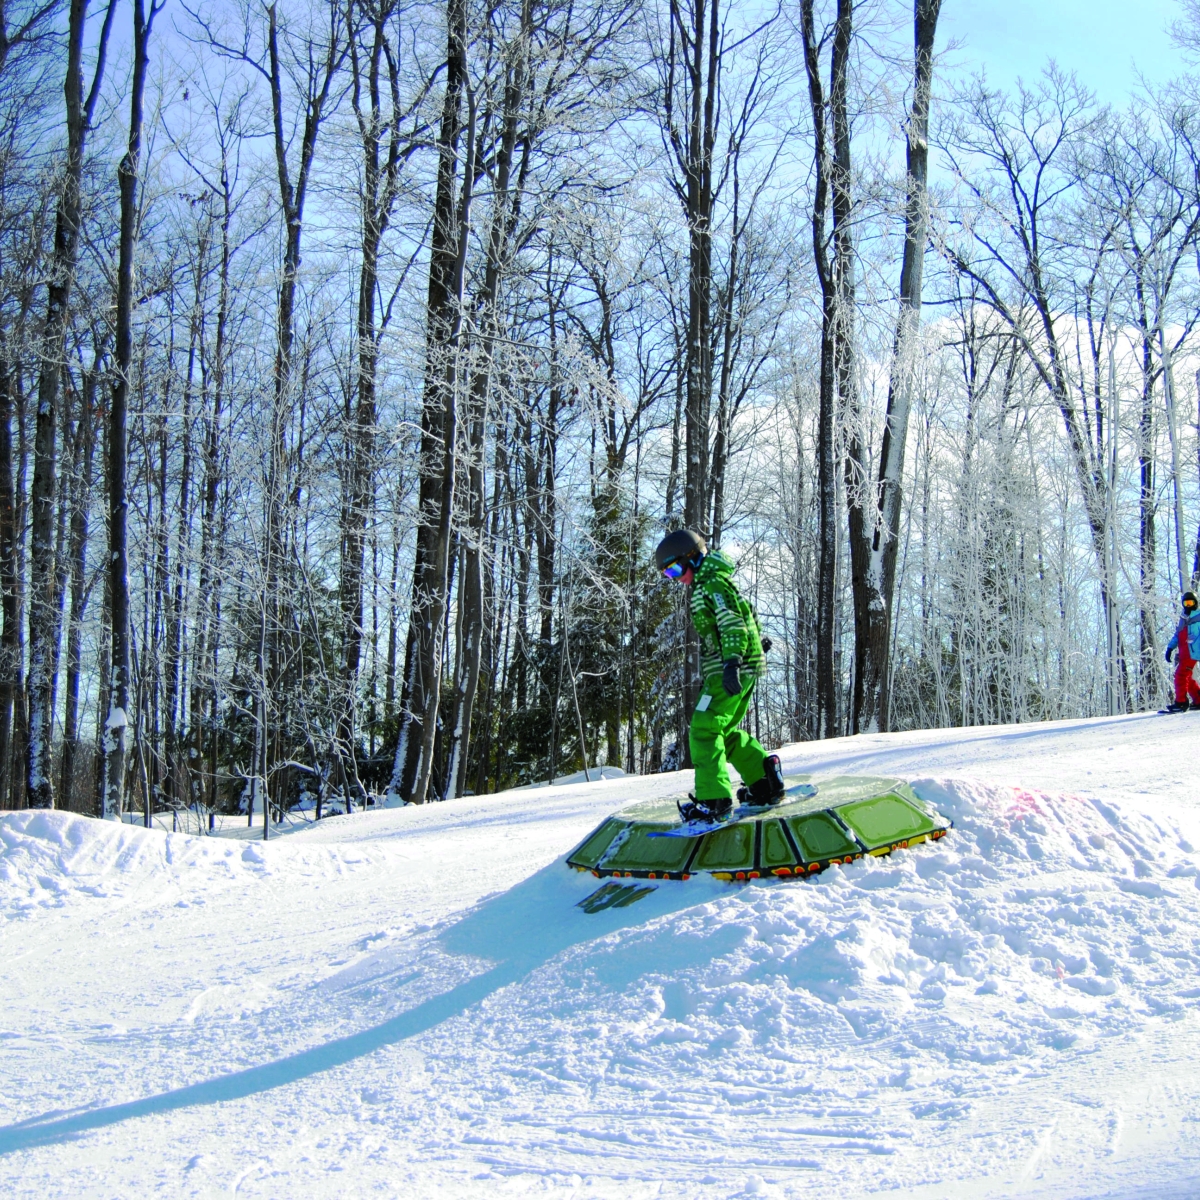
29	27
439	420
1019	194
79	507
381	115
43	606
117	721
831	164
875	512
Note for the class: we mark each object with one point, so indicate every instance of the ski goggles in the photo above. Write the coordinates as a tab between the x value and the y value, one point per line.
1186	603
676	569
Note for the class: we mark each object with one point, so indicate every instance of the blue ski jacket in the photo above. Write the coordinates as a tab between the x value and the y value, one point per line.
1192	621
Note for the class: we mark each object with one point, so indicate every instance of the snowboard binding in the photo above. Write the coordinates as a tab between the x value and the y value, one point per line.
710	811
769	790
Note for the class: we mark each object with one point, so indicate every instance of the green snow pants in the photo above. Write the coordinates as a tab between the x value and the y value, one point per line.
716	741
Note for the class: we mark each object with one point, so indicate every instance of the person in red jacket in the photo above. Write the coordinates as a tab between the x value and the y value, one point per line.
1187	640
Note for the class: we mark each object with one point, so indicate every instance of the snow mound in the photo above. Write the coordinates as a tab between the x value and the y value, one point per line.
857	1012
591	775
1009	1011
52	859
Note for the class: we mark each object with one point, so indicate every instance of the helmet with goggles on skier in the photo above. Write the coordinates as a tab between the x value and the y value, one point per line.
1189	599
678	551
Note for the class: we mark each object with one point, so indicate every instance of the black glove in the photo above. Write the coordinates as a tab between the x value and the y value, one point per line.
731	676
1168	655
766	645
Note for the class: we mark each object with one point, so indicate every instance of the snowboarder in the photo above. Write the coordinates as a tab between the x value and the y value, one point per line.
1187	639
731	661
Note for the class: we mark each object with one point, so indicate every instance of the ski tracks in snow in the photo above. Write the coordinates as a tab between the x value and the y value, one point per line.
877	1023
1011	1011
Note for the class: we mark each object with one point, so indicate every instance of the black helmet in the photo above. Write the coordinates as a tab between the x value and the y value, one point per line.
680	546
1189	596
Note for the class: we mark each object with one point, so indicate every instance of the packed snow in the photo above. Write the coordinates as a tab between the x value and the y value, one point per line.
411	1003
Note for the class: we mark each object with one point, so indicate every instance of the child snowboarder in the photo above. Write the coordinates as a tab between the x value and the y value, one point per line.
731	661
1187	639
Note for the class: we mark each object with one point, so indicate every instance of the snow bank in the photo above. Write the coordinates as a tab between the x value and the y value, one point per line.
591	775
52	859
1011	1011
861	1014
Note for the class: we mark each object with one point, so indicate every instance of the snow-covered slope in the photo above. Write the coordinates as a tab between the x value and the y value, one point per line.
411	1003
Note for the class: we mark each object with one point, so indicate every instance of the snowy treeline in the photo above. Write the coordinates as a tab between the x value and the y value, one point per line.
354	357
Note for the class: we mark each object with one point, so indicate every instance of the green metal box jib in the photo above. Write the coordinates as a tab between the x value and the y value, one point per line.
885	821
639	853
820	836
846	818
778	851
728	849
596	844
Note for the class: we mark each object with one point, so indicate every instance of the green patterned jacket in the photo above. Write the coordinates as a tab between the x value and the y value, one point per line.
728	626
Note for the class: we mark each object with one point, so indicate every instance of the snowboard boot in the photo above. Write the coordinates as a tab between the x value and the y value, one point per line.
1176	706
769	790
703	810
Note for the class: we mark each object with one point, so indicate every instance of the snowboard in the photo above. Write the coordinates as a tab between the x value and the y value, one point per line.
743	812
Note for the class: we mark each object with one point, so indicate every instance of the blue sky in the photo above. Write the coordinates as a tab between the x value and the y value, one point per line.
1106	42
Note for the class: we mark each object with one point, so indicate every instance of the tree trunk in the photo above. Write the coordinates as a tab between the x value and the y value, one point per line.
67	473
178	778
11	674
80	510
1148	673
389	695
672	515
692	85
381	155
506	206
439	423
43	628
875	518
542	488
1181	571
831	357
206	641
279	497
117	721
492	612
702	62
727	309
1196	554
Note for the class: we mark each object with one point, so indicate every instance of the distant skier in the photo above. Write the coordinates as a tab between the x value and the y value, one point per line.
731	662
1187	639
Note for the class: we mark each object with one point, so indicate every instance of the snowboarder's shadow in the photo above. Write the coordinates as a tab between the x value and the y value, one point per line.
517	931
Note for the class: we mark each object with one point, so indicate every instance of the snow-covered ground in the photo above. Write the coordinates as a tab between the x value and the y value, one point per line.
409	1003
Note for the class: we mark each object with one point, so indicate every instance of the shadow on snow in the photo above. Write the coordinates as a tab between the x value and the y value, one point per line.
518	931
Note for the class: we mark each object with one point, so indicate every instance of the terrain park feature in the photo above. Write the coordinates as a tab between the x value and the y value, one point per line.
837	821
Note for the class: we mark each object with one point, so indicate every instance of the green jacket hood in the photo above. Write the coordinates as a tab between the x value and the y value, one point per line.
716	562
